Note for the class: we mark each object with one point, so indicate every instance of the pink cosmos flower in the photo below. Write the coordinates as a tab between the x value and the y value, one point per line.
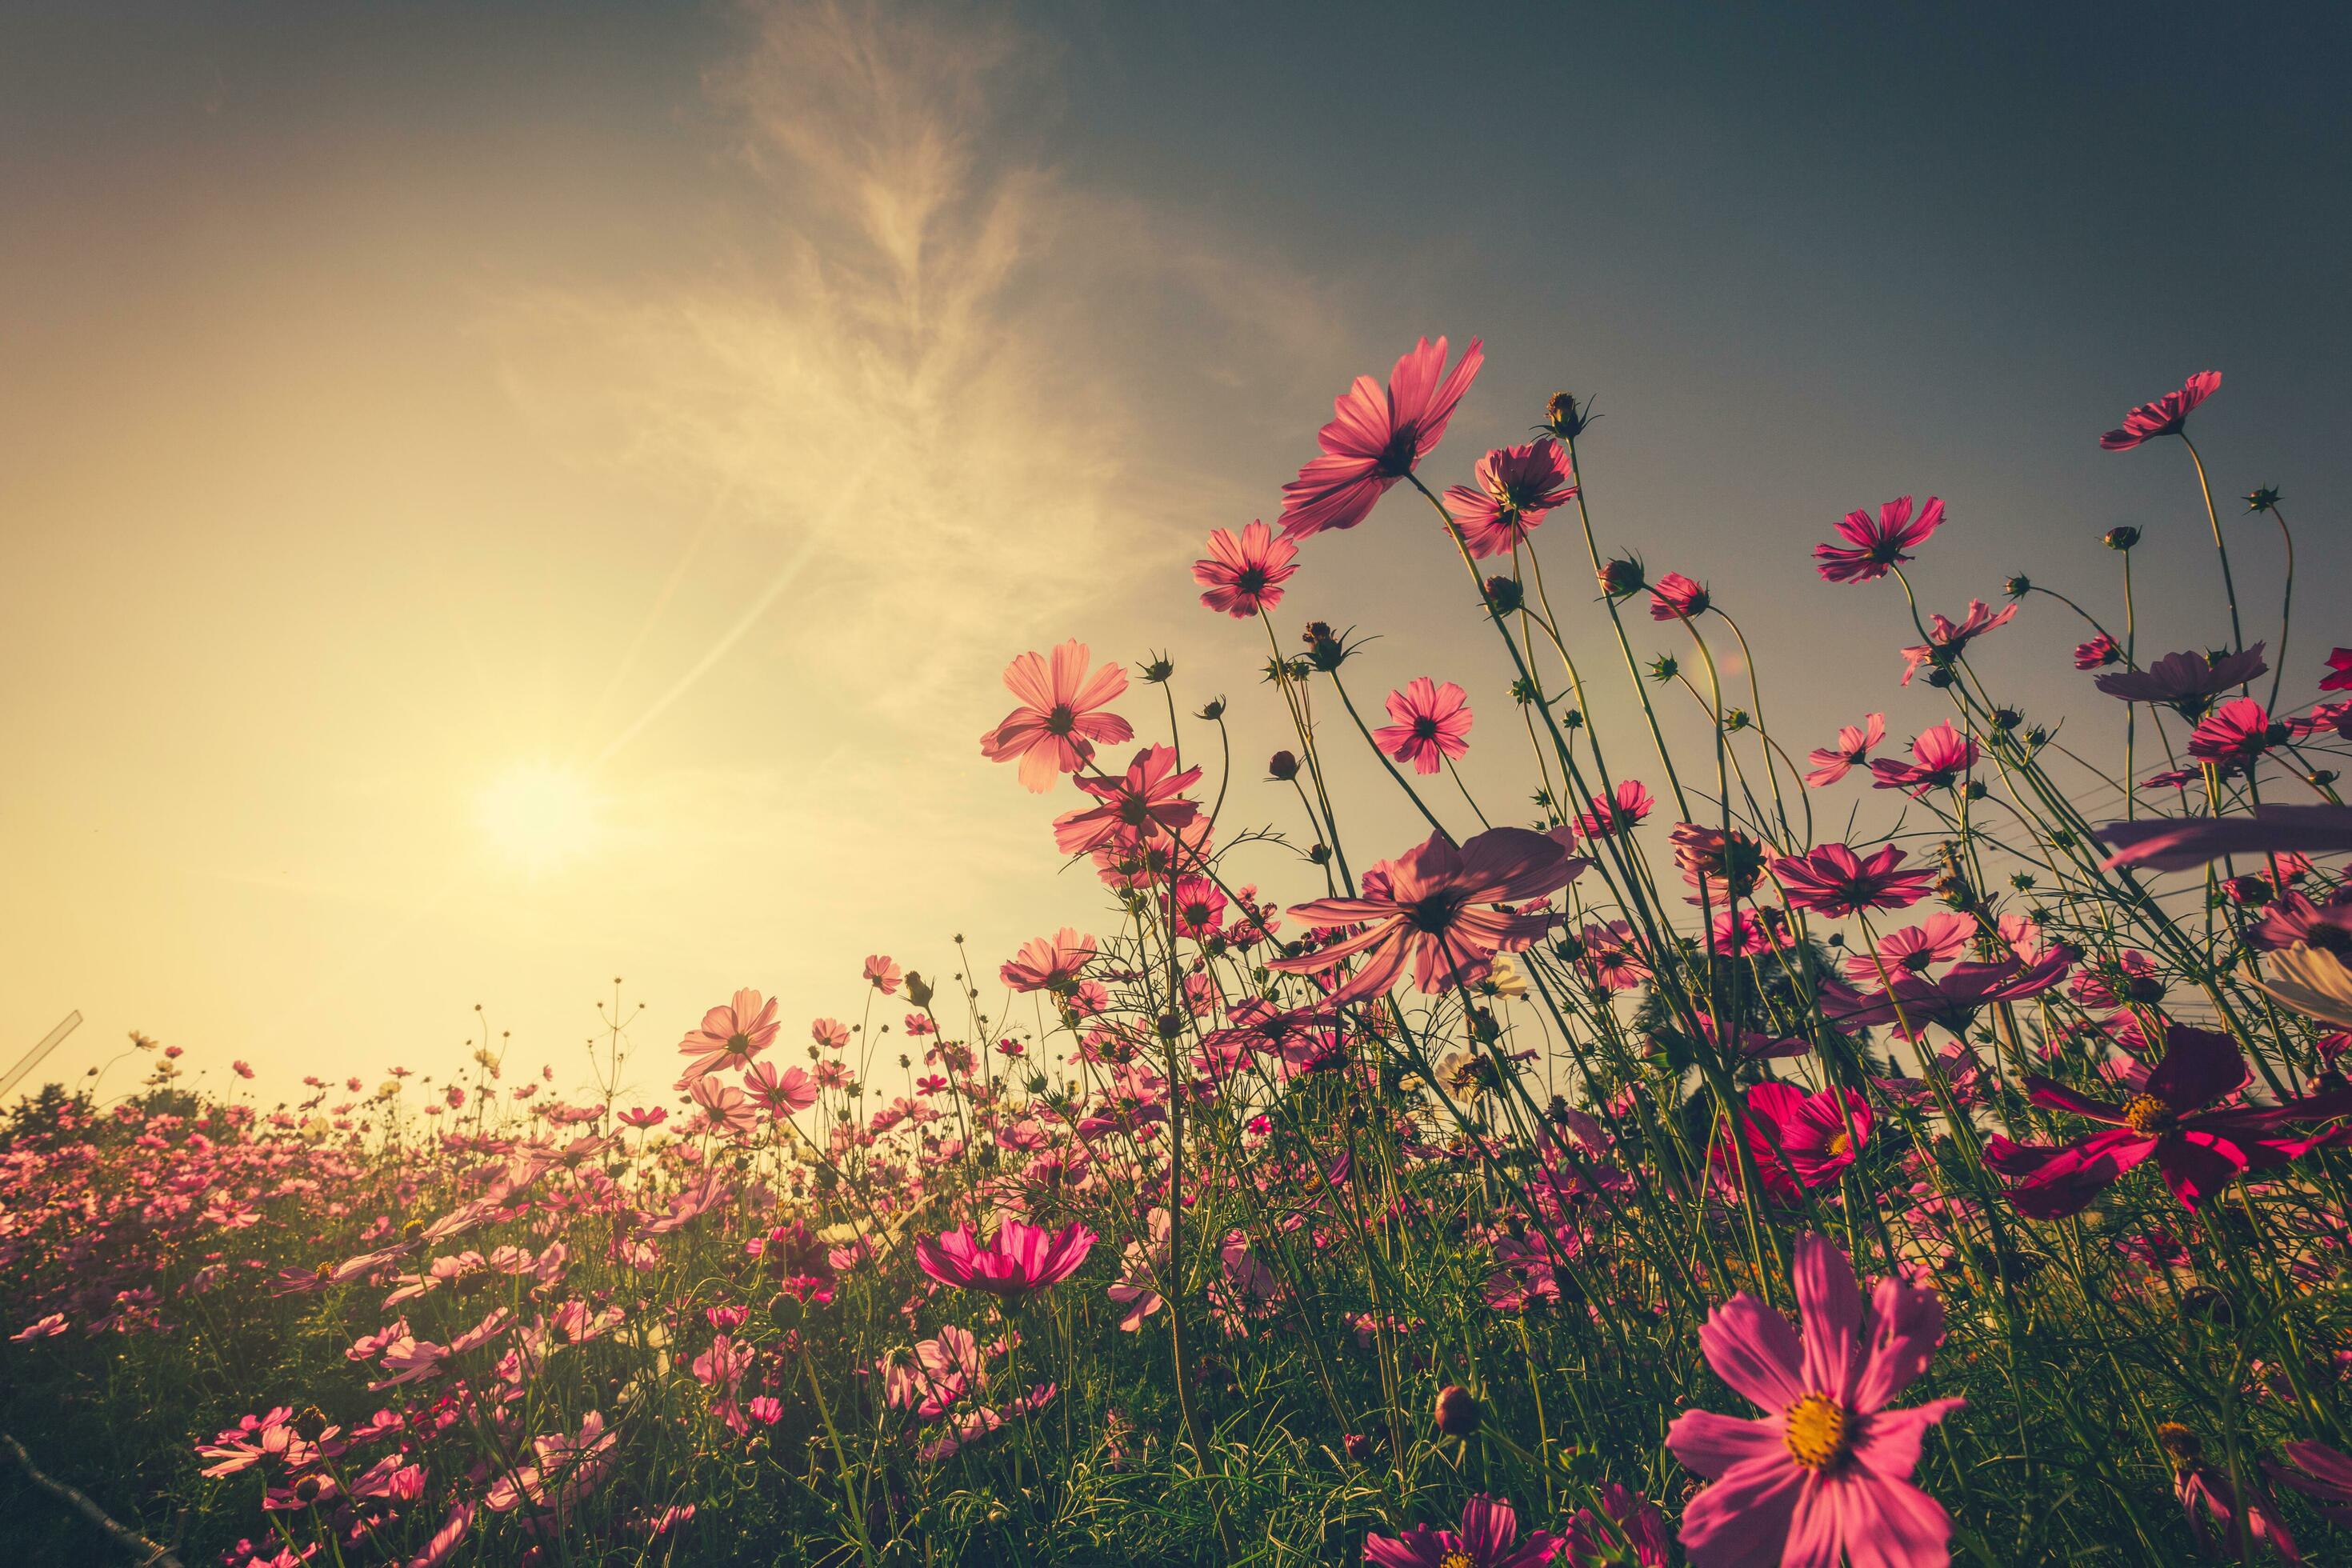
729	1108
1674	597
2238	732
730	1036
1940	757
1825	1473
1946	641
1198	906
1057	725
2099	652
1834	880
2163	416
1437	905
1799	1140
830	1033
1049	963
1631	1516
241	1069
785	1093
1144	803
1874	546
2177	1118
2187	682
1489	1538
2320	1473
1431	724
1853	746
1622	810
2175	843
1951	1000
1019	1259
1246	575
1516	487
883	974
2337	678
1612	956
1915	949
1377	435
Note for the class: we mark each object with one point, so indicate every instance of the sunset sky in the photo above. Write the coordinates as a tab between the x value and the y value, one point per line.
499	497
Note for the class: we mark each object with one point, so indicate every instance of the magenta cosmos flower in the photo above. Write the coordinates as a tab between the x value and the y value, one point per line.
1825	1473
1431	724
1946	640
1516	487
1853	747
1834	880
1019	1259
1056	726
2099	652
1489	1538
730	1036
1146	803
1874	545
2165	415
1621	810
2174	1119
2339	675
2178	843
1246	574
1939	757
1674	597
1799	1140
2239	733
1376	436
2322	1474
1437	907
1950	1001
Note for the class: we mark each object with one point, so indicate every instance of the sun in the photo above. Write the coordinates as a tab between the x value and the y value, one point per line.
539	816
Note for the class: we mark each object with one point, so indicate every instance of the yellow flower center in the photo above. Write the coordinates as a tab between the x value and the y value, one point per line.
1816	1431
1457	1560
1841	1145
2147	1115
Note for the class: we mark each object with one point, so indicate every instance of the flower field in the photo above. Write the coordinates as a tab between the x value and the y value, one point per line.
1796	1150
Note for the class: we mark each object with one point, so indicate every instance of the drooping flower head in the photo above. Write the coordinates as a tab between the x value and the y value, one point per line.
1246	574
1834	880
1620	811
1947	640
1057	725
2098	653
1019	1259
1049	963
1437	906
1874	545
1376	436
2185	682
1853	746
1824	1474
1516	487
2165	417
1940	757
1674	597
1431	725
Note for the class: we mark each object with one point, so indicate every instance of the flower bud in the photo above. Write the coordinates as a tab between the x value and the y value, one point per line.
1357	1448
2017	587
1503	594
1282	765
2122	537
918	990
1457	1413
1622	576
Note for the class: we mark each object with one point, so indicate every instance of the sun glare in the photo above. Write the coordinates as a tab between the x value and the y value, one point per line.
538	816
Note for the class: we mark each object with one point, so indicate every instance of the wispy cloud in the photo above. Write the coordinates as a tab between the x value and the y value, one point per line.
933	370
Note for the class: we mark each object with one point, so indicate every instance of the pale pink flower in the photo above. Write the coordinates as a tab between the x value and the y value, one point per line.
1049	963
730	1036
1516	487
1056	727
883	974
1853	746
1377	435
1246	575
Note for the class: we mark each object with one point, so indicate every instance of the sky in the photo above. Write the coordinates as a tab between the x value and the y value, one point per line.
495	498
